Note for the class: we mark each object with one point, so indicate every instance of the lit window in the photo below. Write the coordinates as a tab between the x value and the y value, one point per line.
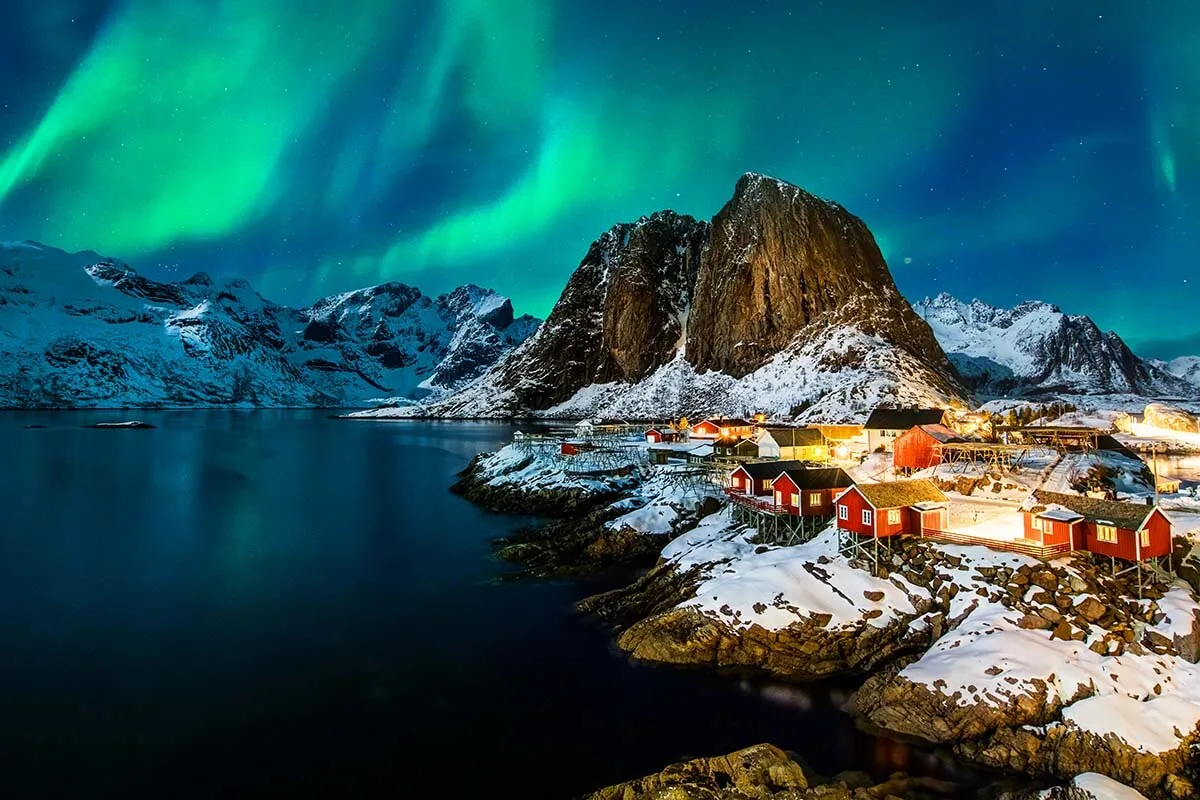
843	512
893	516
1106	533
795	500
814	499
866	517
778	498
1145	537
766	483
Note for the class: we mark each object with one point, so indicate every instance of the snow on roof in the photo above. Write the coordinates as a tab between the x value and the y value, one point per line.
1061	514
796	437
702	450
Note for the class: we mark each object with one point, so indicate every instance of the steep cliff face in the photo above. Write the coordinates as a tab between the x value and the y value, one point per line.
621	315
784	303
778	259
82	330
1034	348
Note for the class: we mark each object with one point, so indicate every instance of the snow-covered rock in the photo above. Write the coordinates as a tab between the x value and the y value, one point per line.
1185	367
783	303
80	330
1036	349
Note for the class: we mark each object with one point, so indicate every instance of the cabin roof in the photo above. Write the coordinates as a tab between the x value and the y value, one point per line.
818	478
1128	516
941	433
901	419
797	437
703	451
897	494
760	470
1061	514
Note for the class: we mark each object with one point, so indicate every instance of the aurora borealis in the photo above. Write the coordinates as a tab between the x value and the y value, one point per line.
1001	150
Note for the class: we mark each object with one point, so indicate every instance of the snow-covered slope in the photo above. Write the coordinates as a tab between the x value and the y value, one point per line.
1185	367
783	303
80	330
1035	348
835	374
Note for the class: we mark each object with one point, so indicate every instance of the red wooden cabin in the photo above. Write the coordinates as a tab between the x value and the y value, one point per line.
723	427
574	448
880	510
920	447
1124	530
756	478
660	435
809	492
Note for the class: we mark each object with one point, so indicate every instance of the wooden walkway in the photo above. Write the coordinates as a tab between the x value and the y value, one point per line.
1026	547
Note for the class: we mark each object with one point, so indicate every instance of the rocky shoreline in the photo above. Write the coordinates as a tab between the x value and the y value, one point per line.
1045	653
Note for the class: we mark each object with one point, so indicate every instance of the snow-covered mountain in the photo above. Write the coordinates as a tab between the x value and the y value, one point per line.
1036	349
1185	367
80	330
783	303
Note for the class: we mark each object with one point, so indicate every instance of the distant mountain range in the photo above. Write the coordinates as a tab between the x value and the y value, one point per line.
781	303
80	330
1035	349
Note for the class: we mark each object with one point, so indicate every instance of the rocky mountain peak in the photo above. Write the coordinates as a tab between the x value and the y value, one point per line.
677	308
777	259
1035	348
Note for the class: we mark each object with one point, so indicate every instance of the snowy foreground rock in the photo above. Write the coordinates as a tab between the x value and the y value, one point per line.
1048	669
1053	669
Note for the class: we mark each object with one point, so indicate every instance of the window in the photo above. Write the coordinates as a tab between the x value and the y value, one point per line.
866	517
893	516
1106	533
814	499
843	512
1036	525
766	483
795	501
778	497
1144	535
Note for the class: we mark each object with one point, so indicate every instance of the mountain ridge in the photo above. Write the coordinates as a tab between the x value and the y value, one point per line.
82	330
1035	348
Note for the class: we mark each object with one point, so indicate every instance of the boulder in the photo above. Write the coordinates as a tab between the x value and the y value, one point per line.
1090	609
1160	415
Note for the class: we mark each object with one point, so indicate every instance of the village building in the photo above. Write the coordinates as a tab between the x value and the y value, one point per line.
809	492
725	449
722	428
700	455
573	447
792	444
756	478
585	429
885	425
1132	532
881	510
869	514
661	435
920	447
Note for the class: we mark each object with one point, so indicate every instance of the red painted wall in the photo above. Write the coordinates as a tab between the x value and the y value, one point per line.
653	437
914	449
705	430
903	523
1126	546
855	503
1054	531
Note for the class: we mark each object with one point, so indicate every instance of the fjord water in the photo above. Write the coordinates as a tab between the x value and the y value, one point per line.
249	603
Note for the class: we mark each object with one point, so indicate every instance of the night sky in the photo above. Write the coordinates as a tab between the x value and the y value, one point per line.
1005	150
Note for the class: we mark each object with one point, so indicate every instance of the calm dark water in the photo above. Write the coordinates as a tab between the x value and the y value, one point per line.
275	603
